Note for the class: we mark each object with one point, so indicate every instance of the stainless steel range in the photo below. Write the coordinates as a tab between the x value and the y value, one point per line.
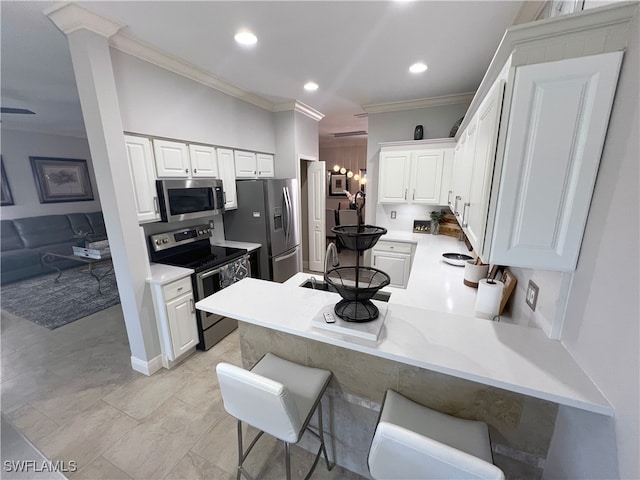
215	268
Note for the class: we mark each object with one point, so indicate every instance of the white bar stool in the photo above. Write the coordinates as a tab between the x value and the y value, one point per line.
414	442
277	397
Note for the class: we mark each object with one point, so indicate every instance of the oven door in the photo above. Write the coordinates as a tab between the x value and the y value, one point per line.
212	327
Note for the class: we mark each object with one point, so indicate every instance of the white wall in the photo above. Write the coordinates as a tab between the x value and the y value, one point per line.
397	126
17	147
602	320
155	101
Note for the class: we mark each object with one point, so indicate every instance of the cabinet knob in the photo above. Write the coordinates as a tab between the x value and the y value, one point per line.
186	170
195	170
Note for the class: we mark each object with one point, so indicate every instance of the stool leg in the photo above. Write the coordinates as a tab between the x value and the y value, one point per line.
240	451
287	459
321	432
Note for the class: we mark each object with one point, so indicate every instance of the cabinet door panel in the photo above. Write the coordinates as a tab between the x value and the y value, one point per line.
475	211
204	162
393	177
172	159
265	165
182	324
226	169
426	177
558	120
143	175
245	164
394	265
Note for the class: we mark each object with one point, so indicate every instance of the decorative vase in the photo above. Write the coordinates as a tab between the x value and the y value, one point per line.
435	228
418	133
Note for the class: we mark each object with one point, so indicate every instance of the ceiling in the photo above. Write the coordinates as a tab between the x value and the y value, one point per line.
358	52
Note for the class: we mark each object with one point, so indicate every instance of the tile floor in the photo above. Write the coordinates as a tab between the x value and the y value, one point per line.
73	394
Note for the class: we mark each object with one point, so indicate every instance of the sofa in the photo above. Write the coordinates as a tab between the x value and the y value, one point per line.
24	241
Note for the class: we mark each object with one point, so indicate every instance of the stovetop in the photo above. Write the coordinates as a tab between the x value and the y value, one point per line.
199	256
190	248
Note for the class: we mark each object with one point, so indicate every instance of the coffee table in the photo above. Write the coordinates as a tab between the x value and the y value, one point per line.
48	257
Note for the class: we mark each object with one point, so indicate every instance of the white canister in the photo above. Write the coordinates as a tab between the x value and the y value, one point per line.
474	273
488	299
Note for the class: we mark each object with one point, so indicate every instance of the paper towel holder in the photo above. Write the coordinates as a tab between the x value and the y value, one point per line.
503	274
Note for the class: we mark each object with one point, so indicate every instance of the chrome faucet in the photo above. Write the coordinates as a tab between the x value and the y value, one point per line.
333	251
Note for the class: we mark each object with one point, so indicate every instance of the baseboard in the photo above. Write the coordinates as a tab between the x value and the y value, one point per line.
148	368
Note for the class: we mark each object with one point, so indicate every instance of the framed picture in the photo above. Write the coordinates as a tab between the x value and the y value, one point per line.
338	184
5	191
61	179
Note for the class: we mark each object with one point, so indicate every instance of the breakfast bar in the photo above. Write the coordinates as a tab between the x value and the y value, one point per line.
510	376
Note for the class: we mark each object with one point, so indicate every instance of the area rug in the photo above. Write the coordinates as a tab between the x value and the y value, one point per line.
54	304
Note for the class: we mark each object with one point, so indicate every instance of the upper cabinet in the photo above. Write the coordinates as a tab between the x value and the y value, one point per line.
143	175
179	160
415	173
526	165
226	166
172	159
557	124
204	161
252	165
266	167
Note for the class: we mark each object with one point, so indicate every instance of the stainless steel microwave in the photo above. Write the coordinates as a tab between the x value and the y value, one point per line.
187	199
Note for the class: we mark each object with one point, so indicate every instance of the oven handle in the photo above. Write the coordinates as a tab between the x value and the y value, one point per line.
204	275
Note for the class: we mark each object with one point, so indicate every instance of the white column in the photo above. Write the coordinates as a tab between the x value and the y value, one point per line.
99	100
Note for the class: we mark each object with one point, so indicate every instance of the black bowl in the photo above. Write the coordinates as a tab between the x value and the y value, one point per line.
359	237
369	280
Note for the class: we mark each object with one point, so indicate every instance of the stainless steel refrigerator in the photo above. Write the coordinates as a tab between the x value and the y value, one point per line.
267	213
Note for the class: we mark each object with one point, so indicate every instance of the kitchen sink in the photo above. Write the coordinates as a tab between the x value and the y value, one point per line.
320	285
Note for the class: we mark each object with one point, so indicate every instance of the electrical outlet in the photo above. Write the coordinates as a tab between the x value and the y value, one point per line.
532	295
393	214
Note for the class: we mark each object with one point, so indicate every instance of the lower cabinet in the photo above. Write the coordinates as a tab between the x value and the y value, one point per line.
393	258
176	316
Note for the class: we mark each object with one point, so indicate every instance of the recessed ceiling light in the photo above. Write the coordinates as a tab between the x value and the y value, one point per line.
245	37
417	67
311	86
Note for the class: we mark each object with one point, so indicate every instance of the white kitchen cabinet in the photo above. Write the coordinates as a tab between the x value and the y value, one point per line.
252	165
245	164
393	258
172	159
203	161
473	219
226	169
558	118
266	168
462	169
181	160
528	161
142	170
413	175
176	316
393	173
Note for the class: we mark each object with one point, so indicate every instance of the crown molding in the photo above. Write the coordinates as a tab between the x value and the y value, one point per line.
300	108
529	11
420	103
27	129
160	58
70	17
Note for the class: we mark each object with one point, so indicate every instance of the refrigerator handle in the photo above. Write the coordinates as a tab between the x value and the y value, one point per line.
285	193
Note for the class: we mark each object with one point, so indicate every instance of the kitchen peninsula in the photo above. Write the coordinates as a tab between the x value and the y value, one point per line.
510	376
